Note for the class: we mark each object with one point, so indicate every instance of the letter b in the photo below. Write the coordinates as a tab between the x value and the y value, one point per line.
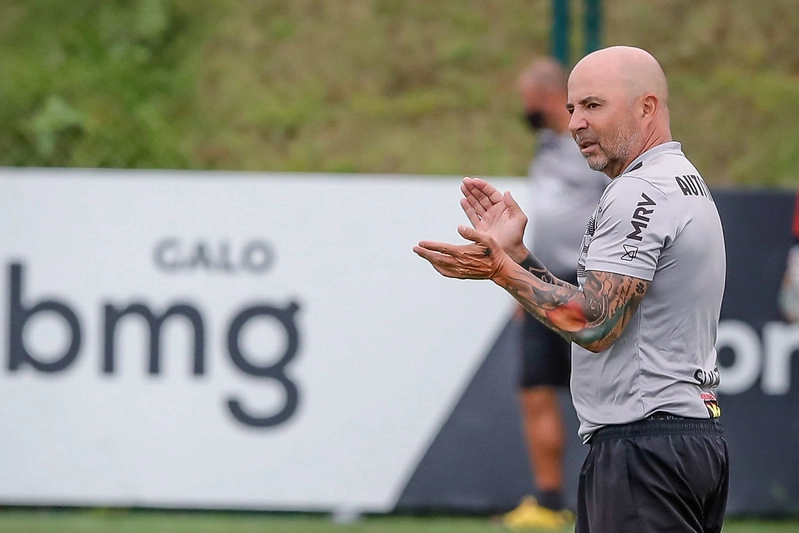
19	316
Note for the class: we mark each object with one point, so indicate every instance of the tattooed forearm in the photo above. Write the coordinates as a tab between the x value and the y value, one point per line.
593	317
535	267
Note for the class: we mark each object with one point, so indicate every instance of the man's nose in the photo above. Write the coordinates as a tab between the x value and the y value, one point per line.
577	122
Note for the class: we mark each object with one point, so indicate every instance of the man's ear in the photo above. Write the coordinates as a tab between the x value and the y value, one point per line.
649	106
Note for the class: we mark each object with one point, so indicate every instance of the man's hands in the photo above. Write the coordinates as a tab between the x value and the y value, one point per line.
592	316
495	214
497	236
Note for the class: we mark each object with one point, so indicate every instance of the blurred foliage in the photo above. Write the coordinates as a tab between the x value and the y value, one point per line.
383	86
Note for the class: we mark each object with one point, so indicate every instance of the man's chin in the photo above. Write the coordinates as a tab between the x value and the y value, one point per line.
596	164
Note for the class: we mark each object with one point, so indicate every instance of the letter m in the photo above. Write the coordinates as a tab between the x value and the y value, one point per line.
154	323
636	233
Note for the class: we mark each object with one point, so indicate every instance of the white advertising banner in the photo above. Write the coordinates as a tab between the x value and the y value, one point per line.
228	340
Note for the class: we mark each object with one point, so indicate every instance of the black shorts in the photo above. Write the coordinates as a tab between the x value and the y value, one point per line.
655	475
546	356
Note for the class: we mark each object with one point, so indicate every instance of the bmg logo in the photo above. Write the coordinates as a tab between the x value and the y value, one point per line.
22	312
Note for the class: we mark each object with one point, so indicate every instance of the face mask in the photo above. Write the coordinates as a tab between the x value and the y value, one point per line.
535	119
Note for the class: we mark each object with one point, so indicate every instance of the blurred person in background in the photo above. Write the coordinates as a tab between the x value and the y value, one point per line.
789	290
644	317
564	194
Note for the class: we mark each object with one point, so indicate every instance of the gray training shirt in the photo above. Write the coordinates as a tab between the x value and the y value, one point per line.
564	194
657	221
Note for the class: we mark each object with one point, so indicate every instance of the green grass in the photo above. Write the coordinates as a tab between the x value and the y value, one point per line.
118	521
384	86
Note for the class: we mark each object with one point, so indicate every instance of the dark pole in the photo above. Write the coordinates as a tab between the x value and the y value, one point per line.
592	25
561	23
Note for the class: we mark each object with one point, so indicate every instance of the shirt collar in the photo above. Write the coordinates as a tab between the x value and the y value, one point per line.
668	147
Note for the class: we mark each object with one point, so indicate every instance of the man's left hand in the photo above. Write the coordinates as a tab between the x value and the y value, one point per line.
482	259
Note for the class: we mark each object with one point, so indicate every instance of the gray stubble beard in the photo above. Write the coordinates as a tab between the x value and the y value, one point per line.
625	141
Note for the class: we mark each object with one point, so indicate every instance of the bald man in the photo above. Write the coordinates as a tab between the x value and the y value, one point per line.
644	314
564	193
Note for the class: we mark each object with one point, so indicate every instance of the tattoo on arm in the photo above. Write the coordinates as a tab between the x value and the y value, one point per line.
535	267
593	317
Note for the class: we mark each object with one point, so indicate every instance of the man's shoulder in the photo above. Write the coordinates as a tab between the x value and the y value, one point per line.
661	168
666	159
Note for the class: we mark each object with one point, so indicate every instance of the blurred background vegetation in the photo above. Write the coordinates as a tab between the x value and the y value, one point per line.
375	86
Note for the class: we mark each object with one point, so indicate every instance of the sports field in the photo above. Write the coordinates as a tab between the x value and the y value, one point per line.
104	521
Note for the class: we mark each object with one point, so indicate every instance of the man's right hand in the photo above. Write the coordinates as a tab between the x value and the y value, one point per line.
496	214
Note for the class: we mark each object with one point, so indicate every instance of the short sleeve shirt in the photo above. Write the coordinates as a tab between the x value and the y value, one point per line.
657	221
564	193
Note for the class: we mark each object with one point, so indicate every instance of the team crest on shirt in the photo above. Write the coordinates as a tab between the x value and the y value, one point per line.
712	404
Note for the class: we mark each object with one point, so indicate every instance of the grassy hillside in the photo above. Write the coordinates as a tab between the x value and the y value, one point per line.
386	86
